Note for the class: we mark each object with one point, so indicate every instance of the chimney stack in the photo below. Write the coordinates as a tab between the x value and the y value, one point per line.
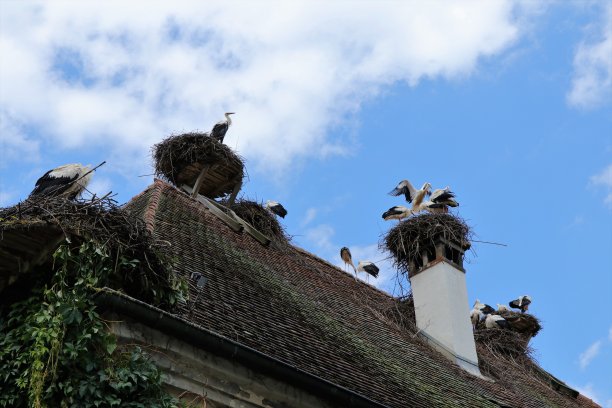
437	278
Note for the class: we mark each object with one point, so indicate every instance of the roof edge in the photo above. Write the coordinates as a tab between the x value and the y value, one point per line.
112	300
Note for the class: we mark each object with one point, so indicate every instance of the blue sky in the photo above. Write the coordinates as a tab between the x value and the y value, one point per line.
509	103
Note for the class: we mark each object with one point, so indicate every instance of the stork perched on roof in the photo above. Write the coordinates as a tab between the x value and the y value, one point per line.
496	322
397	213
220	129
412	195
368	267
276	208
440	200
68	180
346	256
522	303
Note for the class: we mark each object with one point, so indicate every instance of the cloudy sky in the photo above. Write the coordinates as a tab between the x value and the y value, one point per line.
508	102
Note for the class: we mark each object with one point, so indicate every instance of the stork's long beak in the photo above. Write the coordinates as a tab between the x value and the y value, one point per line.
230	113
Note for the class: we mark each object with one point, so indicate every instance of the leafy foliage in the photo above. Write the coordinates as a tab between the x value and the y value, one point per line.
56	351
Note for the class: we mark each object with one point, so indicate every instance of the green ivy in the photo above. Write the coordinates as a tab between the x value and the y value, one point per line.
56	351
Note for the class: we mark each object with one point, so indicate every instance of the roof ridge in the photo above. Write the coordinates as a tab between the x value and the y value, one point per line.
318	258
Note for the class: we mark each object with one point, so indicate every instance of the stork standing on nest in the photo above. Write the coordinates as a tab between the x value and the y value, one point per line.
276	208
397	213
220	129
483	308
412	195
68	180
440	200
346	256
522	303
368	267
502	308
496	322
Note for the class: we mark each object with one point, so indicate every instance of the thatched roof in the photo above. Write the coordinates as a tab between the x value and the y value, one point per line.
180	159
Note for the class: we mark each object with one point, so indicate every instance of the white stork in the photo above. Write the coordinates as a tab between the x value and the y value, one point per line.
483	308
68	180
440	200
502	308
412	195
276	208
494	321
522	303
346	256
475	316
368	267
397	213
220	129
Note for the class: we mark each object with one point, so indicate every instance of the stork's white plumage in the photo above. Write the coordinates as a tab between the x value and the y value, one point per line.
440	200
346	256
483	308
368	267
220	129
412	195
397	213
494	321
522	303
475	316
501	308
68	180
276	208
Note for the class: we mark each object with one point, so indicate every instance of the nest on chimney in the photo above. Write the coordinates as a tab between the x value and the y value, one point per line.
507	342
34	228
410	238
259	217
179	158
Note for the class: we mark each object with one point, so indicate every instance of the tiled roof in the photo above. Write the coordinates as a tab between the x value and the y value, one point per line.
291	305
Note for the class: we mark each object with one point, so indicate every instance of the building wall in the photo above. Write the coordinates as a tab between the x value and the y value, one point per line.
203	379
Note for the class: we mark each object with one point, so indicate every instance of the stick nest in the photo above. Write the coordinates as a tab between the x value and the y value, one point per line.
259	217
506	342
175	153
100	220
410	238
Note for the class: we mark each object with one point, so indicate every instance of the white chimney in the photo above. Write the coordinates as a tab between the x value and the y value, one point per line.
441	303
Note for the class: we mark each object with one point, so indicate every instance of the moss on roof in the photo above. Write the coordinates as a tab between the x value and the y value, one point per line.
297	308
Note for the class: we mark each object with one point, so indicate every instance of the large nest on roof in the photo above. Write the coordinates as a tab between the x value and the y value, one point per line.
507	342
263	220
410	238
30	227
523	323
179	159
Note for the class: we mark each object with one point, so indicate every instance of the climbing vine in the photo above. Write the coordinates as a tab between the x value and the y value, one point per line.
55	349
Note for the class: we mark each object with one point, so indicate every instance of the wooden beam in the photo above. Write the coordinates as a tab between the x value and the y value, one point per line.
199	180
237	188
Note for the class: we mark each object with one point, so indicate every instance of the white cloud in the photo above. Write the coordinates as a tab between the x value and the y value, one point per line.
592	82
124	75
321	237
14	143
311	214
604	179
589	354
100	186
